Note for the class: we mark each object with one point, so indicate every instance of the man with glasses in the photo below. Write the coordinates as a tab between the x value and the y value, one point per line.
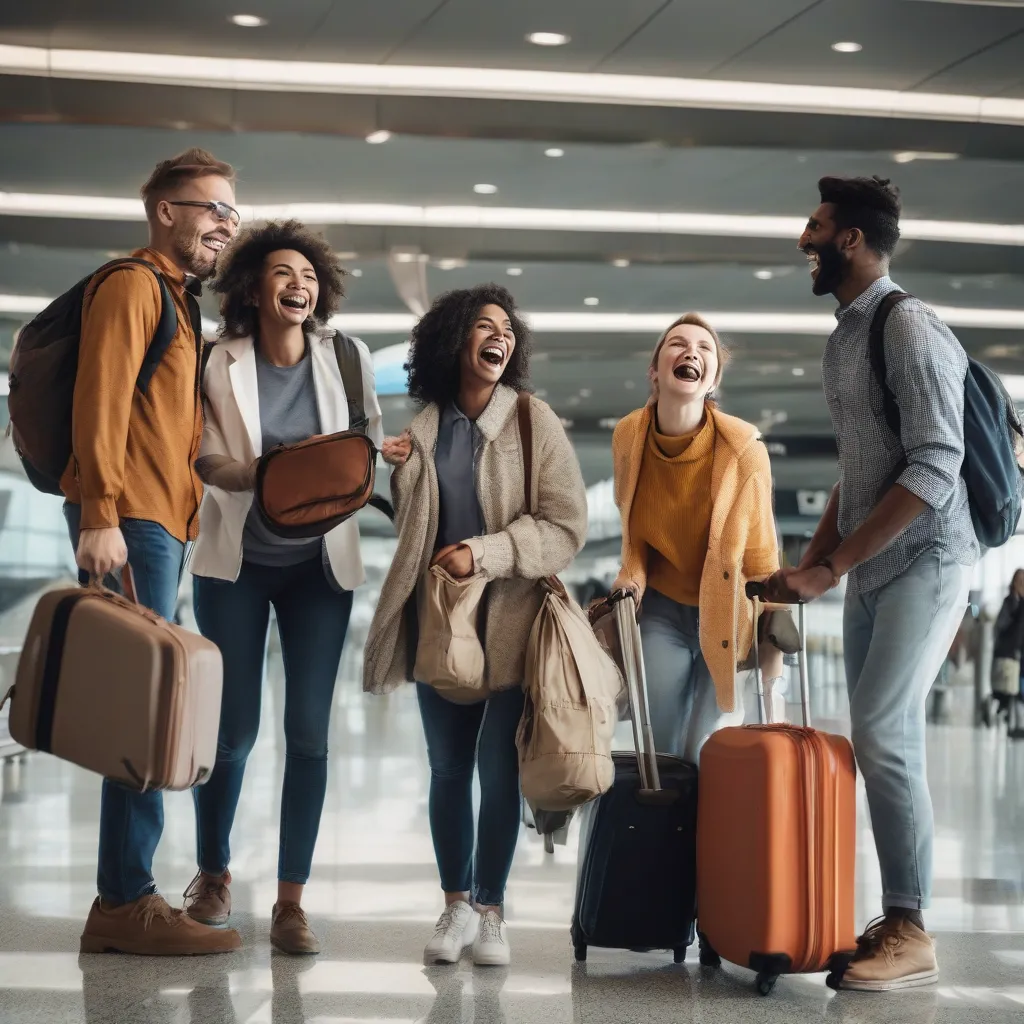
133	496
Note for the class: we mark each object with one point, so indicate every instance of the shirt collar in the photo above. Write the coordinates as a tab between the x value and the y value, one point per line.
173	273
868	301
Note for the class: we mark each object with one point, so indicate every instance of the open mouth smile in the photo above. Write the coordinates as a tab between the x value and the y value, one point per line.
214	243
814	261
493	354
294	301
687	370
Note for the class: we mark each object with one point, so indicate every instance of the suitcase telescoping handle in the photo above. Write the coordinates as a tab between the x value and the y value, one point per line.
624	606
757	592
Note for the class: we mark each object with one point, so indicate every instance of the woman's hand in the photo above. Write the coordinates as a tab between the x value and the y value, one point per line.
396	450
456	560
624	585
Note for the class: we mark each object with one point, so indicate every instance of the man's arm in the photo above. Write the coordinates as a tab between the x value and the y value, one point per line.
888	519
117	326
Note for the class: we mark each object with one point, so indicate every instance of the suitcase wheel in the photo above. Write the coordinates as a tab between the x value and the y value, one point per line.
580	949
766	983
708	956
679	954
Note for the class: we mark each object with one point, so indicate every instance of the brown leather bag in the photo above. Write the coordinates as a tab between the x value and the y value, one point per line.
309	488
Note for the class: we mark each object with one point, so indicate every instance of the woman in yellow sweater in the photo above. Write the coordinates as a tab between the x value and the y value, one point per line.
694	490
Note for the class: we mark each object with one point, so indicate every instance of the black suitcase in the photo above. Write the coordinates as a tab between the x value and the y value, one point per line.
637	880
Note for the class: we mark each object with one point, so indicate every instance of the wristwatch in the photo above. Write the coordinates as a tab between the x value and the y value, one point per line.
826	563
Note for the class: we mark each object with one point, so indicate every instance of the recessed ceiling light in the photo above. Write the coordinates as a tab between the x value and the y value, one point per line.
586	393
847	47
514	271
554	152
450	263
630	384
592	301
547	39
764	275
356	272
798	371
346	255
248	20
909	156
485	189
376	138
621	264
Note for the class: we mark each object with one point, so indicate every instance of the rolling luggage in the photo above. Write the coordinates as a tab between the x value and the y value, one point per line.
776	844
636	883
112	687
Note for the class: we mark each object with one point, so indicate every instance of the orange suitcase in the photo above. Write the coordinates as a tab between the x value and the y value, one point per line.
776	844
114	688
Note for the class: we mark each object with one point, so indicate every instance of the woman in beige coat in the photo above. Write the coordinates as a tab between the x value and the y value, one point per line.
459	499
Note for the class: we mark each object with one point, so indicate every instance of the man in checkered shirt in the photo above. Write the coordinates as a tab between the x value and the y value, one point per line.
899	526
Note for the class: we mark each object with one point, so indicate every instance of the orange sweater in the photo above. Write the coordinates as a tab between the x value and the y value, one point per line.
742	543
133	452
672	510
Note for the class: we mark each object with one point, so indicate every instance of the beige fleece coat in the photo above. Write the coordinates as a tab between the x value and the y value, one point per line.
517	550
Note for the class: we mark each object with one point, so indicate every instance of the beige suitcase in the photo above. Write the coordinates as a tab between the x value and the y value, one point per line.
114	688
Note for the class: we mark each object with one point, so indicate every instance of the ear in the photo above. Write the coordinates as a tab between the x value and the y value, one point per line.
164	213
854	239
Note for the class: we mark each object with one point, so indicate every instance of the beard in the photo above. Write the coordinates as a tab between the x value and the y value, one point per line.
194	256
831	269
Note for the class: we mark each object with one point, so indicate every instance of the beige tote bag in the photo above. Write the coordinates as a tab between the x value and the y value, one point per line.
449	654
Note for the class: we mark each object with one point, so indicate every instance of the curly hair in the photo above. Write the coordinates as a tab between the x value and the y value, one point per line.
871	204
439	337
240	266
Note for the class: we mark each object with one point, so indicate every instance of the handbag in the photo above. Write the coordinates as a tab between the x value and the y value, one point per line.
1006	676
571	686
449	654
305	490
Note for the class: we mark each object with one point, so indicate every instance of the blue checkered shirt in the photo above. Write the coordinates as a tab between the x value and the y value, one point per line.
926	368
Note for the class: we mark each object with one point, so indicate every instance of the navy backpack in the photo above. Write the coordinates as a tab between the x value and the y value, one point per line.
992	435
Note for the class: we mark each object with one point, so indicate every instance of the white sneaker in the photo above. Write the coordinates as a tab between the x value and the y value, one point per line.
456	929
491	947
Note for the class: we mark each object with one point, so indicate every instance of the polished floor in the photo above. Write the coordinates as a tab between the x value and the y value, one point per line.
374	897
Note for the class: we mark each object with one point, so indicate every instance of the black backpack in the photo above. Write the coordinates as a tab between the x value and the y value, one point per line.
43	368
992	436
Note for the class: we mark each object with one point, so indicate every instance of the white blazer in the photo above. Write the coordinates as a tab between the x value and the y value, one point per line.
232	427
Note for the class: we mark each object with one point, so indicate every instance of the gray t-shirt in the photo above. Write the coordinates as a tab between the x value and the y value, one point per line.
455	461
288	413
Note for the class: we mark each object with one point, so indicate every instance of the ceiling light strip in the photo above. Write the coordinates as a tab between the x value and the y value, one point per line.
23	204
615	323
500	83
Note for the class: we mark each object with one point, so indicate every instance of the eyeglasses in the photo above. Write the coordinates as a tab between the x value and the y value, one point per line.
220	210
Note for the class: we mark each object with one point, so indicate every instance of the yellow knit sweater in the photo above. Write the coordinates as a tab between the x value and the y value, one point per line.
741	541
672	510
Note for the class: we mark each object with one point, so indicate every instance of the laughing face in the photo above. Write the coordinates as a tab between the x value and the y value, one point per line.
197	234
688	364
821	243
489	347
288	288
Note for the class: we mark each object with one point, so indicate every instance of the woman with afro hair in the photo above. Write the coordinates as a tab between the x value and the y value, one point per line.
460	501
275	377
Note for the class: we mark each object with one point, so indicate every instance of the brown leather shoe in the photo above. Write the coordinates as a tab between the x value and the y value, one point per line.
290	931
150	927
892	954
208	900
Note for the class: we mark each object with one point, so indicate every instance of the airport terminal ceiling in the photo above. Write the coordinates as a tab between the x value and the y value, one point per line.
605	215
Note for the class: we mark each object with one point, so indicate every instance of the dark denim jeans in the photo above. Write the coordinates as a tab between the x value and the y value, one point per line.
312	618
461	737
131	823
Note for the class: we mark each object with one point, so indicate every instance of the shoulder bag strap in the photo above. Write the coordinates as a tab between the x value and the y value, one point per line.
350	363
876	354
526	439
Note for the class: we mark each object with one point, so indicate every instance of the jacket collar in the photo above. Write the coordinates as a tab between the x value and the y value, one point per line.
490	423
171	271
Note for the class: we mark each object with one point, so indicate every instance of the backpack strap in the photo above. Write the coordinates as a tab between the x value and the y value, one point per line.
876	354
350	363
167	326
526	439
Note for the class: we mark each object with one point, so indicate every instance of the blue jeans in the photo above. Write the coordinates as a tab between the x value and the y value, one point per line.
680	691
131	823
895	640
461	737
312	619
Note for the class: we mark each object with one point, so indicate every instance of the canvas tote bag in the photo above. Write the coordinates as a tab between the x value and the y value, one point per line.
572	686
449	654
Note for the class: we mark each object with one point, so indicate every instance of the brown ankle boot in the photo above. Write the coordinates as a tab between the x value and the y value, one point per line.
150	927
892	954
208	900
